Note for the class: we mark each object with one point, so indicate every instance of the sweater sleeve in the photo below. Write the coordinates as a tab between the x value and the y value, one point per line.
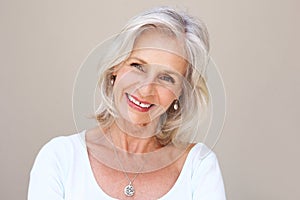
48	172
207	179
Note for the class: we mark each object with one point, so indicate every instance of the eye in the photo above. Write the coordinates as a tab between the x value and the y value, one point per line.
138	66
167	78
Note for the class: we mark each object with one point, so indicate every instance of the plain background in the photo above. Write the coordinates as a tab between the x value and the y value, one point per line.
254	43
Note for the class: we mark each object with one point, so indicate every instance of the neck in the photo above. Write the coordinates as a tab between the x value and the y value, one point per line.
134	139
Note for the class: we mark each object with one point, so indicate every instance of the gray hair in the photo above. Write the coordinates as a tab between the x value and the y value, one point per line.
178	126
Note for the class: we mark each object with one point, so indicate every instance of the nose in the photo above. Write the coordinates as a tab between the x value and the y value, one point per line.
147	88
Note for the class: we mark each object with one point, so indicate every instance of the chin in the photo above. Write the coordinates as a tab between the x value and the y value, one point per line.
139	121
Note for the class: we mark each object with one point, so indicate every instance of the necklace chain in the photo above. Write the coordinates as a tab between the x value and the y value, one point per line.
129	189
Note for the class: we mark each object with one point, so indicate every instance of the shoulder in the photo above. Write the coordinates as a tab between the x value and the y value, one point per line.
200	153
63	144
59	151
203	159
52	165
207	178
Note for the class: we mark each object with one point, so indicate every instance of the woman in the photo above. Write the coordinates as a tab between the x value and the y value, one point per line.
153	96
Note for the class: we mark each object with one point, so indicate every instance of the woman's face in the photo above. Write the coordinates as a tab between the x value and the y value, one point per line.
150	79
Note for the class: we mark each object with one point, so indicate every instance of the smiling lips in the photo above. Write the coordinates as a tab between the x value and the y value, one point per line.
141	106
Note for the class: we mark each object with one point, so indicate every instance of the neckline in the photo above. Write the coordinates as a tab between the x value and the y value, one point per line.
187	162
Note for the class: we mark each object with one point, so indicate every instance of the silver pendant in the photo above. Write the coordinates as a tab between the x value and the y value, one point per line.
129	190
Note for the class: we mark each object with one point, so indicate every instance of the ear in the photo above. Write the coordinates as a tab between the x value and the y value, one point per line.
114	70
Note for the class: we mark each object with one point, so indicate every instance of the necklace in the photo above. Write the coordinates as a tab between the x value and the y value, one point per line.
128	189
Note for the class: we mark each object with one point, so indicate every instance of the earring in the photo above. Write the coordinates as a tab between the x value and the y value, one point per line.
112	79
176	104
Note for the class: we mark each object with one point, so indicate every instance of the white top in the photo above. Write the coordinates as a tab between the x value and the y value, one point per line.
62	171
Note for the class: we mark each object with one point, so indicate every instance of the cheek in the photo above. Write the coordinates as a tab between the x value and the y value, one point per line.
166	96
127	76
125	80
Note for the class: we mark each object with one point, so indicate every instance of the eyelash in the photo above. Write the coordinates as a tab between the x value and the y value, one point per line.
167	78
138	66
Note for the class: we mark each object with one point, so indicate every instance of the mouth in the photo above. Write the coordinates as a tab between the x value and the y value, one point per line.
137	104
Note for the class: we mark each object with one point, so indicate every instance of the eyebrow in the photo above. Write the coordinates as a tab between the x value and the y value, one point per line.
136	58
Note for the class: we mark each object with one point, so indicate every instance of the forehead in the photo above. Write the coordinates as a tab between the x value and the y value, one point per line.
154	47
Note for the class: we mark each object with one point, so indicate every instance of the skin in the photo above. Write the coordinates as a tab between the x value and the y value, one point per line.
152	75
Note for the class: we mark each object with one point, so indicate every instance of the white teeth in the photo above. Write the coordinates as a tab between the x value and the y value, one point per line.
136	102
144	105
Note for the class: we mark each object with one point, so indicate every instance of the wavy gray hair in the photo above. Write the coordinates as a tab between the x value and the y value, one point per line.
177	126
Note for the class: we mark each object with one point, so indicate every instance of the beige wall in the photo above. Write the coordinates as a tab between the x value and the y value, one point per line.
255	44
